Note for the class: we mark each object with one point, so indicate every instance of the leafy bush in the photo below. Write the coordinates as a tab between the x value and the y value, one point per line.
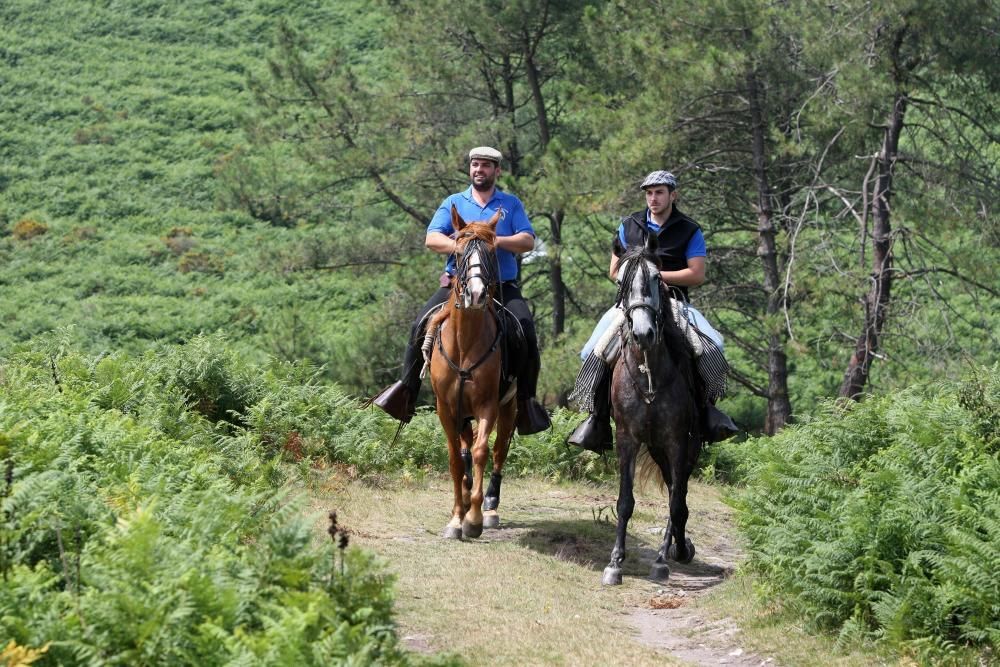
883	520
29	229
134	530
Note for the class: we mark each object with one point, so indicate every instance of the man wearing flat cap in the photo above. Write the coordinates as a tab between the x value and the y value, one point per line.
515	235
681	250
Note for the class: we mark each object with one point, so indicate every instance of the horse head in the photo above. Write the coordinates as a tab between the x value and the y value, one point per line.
639	291
477	272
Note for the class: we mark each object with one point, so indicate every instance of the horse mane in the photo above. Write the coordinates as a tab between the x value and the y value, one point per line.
629	263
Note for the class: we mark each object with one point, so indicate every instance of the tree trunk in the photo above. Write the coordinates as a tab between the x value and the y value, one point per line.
556	217
877	300
555	273
779	407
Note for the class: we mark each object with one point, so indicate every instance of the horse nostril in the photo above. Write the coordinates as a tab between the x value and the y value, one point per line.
644	338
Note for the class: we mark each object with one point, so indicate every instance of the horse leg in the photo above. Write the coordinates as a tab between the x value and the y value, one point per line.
472	524
682	549
660	571
453	530
466	453
505	430
626	504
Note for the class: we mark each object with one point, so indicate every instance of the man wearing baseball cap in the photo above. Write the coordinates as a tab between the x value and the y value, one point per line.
681	250
515	235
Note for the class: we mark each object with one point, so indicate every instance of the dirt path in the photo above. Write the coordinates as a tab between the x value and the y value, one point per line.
530	592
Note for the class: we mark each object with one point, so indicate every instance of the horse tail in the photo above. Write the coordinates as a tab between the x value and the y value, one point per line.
647	471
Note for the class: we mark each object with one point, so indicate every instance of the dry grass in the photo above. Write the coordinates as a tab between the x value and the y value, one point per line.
531	594
767	627
527	594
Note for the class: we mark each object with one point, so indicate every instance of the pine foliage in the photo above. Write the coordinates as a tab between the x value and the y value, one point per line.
883	520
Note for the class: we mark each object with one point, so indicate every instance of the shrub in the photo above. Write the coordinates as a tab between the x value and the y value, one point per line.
201	262
28	229
883	520
123	540
180	240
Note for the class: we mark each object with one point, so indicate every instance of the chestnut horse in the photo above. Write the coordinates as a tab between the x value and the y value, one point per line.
656	414
465	371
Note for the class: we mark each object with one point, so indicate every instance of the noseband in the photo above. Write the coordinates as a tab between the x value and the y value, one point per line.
632	264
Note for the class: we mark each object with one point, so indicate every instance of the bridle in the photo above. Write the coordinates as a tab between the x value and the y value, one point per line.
649	293
475	260
633	265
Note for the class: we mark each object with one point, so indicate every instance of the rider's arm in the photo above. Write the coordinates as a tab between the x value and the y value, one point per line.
440	243
694	274
613	270
691	276
517	243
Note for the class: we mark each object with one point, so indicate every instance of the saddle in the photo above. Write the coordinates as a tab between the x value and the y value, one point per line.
713	369
512	342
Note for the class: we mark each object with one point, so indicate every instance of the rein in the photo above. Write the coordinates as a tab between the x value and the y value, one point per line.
488	265
632	263
490	275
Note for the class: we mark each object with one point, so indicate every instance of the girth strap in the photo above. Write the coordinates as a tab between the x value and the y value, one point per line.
466	373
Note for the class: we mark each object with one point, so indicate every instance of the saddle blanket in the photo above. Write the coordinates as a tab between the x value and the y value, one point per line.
685	313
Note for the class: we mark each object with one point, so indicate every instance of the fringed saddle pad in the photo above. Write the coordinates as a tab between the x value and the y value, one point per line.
713	368
591	375
712	364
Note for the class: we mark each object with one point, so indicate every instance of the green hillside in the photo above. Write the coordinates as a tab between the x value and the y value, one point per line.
116	119
211	245
153	186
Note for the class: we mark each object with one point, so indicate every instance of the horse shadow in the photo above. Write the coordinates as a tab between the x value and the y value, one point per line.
588	543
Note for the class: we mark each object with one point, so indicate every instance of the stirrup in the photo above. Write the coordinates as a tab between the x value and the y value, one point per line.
593	434
398	401
531	417
719	425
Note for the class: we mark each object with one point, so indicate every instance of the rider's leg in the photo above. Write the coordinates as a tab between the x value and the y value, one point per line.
531	417
399	399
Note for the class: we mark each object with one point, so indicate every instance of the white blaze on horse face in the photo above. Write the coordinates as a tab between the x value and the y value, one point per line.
475	293
645	289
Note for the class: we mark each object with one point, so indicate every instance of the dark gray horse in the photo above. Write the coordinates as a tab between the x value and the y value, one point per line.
653	394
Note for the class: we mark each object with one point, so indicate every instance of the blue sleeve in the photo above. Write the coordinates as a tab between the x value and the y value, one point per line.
696	246
441	222
518	218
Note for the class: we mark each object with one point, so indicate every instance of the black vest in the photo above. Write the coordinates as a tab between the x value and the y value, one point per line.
673	239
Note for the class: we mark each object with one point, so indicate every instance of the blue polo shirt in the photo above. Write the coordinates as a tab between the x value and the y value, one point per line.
695	247
513	220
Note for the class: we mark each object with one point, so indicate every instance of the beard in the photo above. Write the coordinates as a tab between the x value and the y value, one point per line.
483	183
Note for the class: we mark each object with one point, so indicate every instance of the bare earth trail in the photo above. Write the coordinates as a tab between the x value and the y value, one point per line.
530	593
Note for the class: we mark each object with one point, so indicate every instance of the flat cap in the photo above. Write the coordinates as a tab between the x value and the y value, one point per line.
659	178
485	153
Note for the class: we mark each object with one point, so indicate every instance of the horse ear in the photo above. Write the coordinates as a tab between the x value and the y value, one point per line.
456	220
652	243
494	220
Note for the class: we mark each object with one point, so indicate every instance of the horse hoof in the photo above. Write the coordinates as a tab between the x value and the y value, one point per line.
471	529
659	572
672	552
491	520
452	533
612	576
